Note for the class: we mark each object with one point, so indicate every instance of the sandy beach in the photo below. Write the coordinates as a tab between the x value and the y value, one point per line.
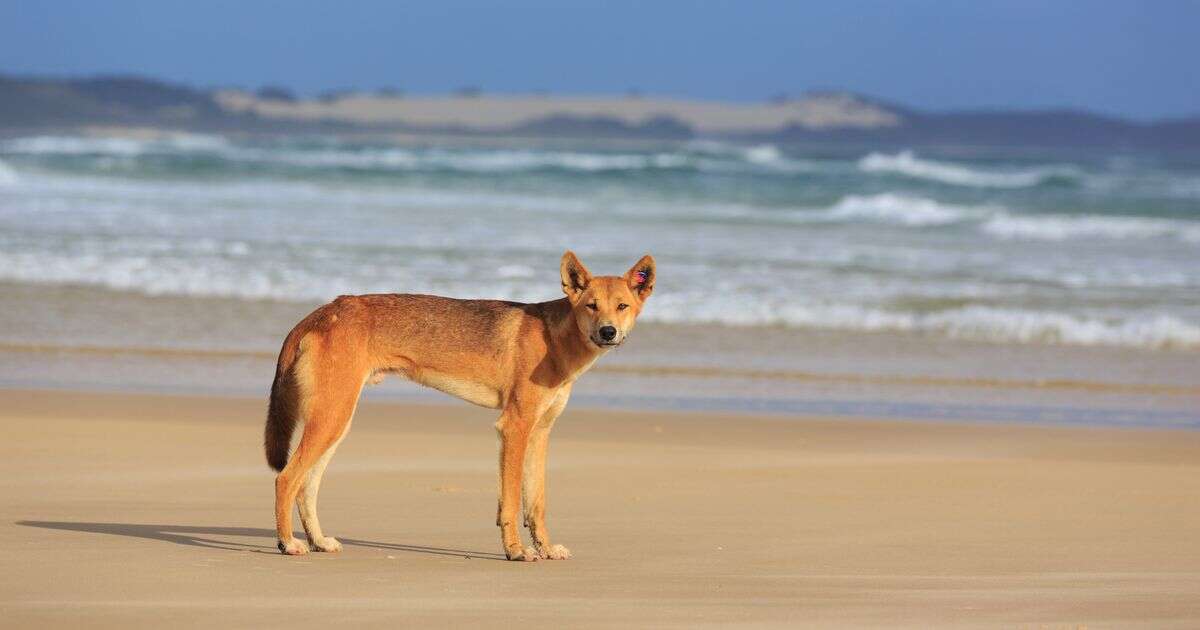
922	348
128	509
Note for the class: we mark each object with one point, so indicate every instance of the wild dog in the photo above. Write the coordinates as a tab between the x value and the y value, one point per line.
521	359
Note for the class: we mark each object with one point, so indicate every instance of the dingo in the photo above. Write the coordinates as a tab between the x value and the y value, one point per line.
519	358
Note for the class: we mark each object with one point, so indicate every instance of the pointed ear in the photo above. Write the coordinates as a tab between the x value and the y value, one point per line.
575	277
640	277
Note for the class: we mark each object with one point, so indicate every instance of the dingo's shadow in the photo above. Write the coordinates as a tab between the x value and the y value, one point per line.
197	536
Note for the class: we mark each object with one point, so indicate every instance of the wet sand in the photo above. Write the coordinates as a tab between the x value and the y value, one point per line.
73	337
125	509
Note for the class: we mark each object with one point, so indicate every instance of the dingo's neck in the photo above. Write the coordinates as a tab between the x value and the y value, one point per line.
574	353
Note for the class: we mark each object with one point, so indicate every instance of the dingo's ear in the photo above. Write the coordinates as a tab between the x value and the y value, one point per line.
575	277
640	277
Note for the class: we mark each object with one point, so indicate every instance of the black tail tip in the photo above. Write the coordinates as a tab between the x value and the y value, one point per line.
277	461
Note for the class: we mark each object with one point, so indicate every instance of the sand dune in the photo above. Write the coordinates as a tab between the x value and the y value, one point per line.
818	111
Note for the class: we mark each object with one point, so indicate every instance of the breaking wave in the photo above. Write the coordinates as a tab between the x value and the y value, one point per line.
906	163
246	270
997	221
1064	227
700	156
117	147
972	323
8	176
498	161
901	209
813	243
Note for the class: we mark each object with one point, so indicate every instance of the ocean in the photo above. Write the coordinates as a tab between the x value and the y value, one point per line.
1005	247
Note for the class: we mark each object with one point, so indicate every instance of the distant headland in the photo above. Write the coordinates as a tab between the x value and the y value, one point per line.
35	104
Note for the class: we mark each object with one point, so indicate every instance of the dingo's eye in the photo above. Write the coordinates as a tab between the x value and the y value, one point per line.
622	306
592	306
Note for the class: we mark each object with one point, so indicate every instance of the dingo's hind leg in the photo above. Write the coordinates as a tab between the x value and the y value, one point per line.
307	501
329	407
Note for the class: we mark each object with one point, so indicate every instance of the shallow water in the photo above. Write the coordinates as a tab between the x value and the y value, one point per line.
1005	247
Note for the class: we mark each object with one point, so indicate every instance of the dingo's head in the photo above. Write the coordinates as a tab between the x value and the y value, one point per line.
605	307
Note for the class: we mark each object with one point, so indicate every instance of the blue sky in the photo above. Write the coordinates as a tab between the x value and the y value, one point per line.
1133	58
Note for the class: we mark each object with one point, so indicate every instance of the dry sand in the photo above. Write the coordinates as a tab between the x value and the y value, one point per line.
156	510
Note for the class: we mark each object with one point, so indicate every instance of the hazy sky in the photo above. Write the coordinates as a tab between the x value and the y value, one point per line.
1136	58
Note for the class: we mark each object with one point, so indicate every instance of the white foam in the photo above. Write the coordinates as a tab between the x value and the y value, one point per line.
763	154
194	142
234	268
480	160
901	209
890	208
908	164
476	161
904	261
73	145
113	146
1008	325
8	176
129	194
1063	227
516	271
208	268
974	323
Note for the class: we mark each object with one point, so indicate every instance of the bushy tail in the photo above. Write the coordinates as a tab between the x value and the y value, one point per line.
281	423
283	410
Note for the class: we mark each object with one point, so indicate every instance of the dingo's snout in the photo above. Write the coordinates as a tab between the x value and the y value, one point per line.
606	335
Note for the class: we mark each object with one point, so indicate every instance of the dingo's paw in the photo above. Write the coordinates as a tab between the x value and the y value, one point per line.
293	547
555	552
518	554
327	544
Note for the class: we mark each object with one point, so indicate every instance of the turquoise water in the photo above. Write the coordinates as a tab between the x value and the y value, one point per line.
1009	247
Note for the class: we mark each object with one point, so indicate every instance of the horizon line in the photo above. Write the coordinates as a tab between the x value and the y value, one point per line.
471	91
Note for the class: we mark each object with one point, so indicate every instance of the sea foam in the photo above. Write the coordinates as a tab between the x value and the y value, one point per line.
217	269
971	323
901	209
1062	227
705	156
8	176
116	147
832	247
1025	326
908	164
247	270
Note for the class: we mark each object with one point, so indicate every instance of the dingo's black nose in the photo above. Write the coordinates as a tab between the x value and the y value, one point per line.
608	333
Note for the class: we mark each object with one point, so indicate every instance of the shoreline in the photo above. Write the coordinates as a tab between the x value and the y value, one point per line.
73	337
777	372
675	519
785	410
234	377
690	371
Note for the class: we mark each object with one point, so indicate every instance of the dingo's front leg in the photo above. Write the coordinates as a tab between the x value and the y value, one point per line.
534	494
513	428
